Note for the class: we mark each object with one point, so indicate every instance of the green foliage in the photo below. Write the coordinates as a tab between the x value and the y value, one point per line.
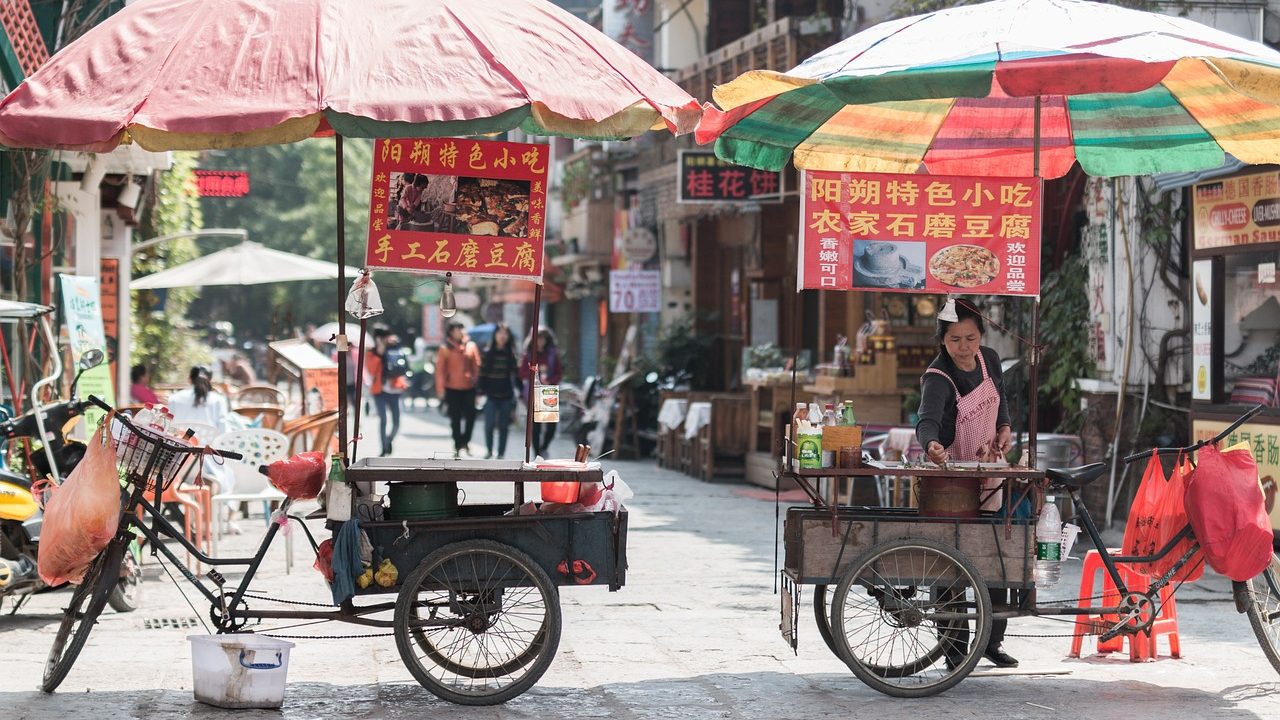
291	207
161	338
680	347
1064	332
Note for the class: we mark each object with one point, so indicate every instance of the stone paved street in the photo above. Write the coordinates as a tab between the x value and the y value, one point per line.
692	635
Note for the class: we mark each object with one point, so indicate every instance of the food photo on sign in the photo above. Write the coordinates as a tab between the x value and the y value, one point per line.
880	264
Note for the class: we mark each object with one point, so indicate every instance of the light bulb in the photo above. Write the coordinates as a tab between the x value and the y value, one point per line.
448	306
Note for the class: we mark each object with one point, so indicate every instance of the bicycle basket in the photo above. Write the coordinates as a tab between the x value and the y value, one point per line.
145	455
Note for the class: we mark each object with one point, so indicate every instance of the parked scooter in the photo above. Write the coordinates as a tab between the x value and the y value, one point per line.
20	515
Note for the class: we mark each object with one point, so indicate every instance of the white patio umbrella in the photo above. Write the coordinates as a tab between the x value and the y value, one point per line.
248	263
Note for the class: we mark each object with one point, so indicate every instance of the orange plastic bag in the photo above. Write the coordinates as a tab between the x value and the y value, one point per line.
1170	520
1141	529
81	515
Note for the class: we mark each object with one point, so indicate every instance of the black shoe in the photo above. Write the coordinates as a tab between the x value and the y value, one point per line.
1000	658
954	661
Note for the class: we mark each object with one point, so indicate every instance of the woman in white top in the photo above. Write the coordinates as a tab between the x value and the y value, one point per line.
200	403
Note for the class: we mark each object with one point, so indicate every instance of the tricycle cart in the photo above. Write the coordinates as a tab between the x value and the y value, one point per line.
476	615
905	599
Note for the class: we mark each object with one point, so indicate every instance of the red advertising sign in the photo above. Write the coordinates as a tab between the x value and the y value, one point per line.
920	233
463	206
222	183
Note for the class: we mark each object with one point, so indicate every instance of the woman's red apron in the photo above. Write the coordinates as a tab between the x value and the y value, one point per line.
976	415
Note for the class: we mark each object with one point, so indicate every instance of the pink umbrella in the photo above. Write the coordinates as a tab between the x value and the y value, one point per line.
201	74
198	74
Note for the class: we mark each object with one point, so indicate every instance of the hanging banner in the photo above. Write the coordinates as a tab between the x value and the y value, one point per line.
1202	330
1240	210
82	306
920	233
705	178
463	206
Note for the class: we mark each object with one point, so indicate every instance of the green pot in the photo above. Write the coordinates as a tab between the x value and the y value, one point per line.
425	501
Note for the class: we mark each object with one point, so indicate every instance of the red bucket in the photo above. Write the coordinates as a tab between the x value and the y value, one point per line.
560	492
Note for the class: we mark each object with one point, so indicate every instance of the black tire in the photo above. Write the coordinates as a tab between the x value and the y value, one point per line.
822	617
472	590
1264	610
126	596
81	614
885	617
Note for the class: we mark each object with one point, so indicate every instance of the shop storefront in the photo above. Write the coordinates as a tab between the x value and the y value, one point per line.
1235	302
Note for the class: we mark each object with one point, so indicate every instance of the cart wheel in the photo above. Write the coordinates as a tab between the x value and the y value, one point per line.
903	608
821	616
1264	610
81	614
477	622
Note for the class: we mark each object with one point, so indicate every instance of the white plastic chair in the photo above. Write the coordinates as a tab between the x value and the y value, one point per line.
258	446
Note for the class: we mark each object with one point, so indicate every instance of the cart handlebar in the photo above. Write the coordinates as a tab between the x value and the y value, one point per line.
1192	448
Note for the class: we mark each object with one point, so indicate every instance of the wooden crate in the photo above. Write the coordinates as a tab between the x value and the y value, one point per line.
835	437
816	555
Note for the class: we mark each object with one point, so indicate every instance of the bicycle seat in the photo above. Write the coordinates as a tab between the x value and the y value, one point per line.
1077	477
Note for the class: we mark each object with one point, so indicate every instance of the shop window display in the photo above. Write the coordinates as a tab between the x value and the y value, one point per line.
1251	331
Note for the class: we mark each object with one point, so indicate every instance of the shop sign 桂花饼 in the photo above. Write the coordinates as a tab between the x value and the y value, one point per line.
920	233
470	207
1238	210
705	178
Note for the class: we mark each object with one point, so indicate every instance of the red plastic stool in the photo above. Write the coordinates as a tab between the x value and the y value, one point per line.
1142	646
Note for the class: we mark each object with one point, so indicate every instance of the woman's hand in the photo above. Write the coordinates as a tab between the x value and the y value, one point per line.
936	452
1004	440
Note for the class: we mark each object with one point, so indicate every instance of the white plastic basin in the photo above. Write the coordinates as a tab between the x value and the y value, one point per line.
239	670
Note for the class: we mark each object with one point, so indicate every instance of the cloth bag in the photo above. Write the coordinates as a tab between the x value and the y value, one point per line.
1225	506
82	514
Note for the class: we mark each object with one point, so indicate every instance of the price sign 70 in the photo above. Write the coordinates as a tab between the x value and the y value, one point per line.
635	291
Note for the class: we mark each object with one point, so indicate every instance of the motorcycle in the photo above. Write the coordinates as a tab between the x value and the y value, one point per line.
20	515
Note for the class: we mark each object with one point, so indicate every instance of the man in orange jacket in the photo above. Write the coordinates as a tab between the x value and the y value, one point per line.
457	372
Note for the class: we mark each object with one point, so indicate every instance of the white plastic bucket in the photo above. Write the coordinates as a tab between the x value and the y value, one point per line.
239	670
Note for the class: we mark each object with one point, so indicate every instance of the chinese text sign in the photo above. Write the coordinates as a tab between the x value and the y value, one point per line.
1241	210
635	291
1202	330
222	183
706	178
920	233
463	206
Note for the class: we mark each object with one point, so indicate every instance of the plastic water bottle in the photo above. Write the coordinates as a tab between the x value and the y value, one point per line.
1048	544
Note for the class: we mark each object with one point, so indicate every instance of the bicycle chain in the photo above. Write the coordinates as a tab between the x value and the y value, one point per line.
325	637
252	596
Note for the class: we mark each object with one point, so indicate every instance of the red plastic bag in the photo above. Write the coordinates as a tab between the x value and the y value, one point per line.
324	560
1140	531
300	477
1226	508
81	515
1171	519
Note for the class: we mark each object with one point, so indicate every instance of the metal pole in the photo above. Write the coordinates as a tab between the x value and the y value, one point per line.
533	370
1033	371
342	297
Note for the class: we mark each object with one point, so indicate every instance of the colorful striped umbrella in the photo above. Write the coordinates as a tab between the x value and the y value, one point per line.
1121	91
198	74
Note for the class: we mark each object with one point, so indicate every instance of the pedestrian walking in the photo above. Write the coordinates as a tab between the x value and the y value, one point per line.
549	373
457	371
499	379
387	367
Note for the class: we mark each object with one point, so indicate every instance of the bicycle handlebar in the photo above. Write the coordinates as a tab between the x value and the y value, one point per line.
1192	448
98	402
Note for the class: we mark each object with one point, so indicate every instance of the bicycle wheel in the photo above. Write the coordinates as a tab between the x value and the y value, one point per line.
822	616
477	622
81	614
126	596
1264	610
902	609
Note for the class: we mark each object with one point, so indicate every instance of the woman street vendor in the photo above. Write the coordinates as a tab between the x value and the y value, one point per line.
964	415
